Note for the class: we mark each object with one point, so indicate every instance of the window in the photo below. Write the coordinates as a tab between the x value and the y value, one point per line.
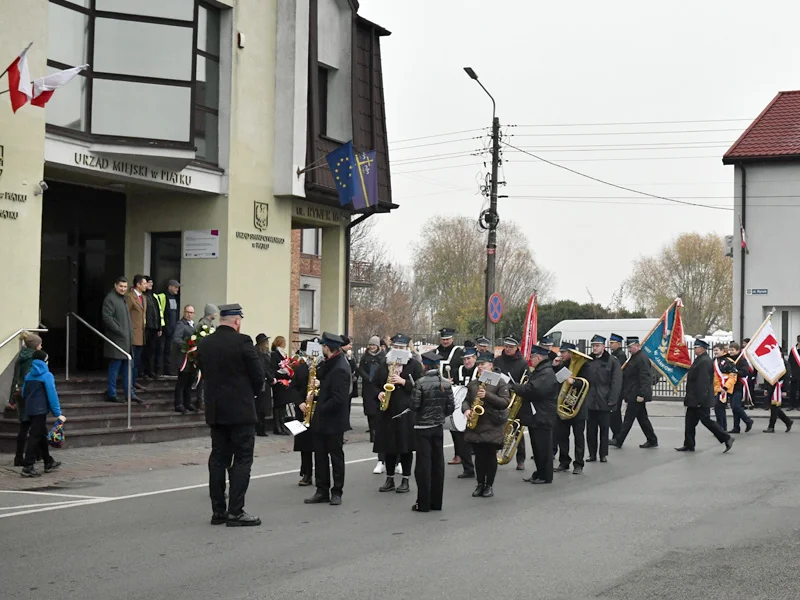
322	77
306	317
312	242
148	80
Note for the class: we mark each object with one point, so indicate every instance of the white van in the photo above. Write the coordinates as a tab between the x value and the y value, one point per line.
574	330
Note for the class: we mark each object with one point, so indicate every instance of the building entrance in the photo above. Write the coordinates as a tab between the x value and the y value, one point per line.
83	251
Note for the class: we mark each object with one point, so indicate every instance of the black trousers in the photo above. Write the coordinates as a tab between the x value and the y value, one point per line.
615	422
183	388
775	413
636	411
36	445
22	438
463	450
485	463
598	421
429	471
329	455
542	441
150	354
521	452
698	414
563	429
795	393
306	463
404	460
231	453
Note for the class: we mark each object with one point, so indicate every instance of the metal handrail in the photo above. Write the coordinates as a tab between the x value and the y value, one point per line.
108	341
16	334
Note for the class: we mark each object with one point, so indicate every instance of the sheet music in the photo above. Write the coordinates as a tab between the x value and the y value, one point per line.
490	378
563	374
401	356
296	427
506	378
313	348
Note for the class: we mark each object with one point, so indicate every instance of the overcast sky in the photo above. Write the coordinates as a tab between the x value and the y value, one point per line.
582	63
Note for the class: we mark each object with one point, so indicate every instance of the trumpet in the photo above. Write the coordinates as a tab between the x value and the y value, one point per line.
476	408
311	389
514	430
388	388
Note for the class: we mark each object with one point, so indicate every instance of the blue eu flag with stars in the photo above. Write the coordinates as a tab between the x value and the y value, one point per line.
342	162
355	176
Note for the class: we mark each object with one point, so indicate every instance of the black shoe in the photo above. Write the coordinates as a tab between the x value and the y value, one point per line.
403	488
577	470
262	434
685	449
416	508
18	461
219	518
466	475
789	426
52	466
488	492
305	481
561	468
136	399
603	459
113	399
180	409
336	500
734	431
317	498
729	445
649	445
242	520
30	472
388	486
749	427
191	409
614	444
769	430
591	459
478	491
540	481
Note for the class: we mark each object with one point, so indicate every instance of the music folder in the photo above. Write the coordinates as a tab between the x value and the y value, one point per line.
563	374
491	378
399	356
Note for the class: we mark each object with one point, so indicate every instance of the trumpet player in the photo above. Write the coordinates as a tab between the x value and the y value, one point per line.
512	363
487	436
605	384
394	426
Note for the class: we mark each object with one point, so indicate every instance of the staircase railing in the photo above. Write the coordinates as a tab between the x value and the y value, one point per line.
15	335
128	357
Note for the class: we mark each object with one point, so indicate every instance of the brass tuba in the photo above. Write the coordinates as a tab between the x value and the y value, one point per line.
571	397
514	430
312	375
388	388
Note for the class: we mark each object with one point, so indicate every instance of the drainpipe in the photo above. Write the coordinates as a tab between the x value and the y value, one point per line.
347	232
743	254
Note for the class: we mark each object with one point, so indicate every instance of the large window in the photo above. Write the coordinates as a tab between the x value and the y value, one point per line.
306	316
311	242
153	75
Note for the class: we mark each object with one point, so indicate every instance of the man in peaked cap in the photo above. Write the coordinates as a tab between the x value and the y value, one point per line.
605	384
483	344
233	376
615	344
450	354
512	363
637	391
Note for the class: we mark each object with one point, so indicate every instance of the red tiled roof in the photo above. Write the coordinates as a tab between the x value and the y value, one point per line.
774	134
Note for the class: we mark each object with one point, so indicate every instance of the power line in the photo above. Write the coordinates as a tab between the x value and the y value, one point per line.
432	157
631	123
634	158
427	137
636	149
477	137
625	132
614	185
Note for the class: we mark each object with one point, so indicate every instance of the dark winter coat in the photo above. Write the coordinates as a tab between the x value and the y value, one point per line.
605	382
39	391
280	393
493	421
743	371
700	383
541	393
514	366
637	379
332	415
432	400
394	431
303	442
264	398
21	367
117	325
463	375
153	317
619	354
172	314
232	377
795	367
371	384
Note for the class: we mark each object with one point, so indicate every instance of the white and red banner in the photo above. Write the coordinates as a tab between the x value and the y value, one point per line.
19	80
44	87
764	353
530	333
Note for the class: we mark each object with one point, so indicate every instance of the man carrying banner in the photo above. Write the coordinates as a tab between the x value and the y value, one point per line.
700	398
637	391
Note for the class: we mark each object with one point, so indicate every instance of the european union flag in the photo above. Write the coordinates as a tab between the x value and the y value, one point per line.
342	162
355	176
661	339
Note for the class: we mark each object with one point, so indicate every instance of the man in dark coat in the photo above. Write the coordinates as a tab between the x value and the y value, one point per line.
700	398
776	394
463	451
512	363
394	427
331	419
172	313
233	378
264	398
637	391
575	426
117	326
369	369
617	351
450	353
605	384
541	394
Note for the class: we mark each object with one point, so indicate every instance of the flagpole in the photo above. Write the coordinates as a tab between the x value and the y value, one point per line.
28	47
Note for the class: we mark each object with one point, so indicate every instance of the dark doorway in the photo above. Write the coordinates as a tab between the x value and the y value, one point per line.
83	251
165	259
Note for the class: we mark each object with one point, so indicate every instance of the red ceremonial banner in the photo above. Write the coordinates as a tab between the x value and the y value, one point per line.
678	351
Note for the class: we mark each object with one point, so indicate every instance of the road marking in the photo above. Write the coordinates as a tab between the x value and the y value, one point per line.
39	505
49	508
51	494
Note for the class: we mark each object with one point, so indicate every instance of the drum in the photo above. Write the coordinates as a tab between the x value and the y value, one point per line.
457	421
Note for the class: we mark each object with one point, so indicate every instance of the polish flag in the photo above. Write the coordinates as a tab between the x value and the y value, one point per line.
19	80
764	353
44	87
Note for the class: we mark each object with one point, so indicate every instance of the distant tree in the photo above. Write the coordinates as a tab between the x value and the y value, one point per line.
695	267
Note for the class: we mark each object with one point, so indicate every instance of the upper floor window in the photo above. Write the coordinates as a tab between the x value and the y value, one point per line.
311	242
322	76
148	79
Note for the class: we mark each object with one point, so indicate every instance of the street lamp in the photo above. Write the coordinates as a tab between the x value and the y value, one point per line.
491	219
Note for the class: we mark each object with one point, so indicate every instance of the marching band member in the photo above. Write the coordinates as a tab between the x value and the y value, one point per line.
512	363
483	345
576	425
487	437
560	361
699	400
724	382
777	393
743	371
615	343
303	442
637	391
451	354
540	393
394	427
431	401
371	384
605	383
547	343
465	374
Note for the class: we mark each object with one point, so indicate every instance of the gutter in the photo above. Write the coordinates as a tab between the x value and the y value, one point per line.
743	253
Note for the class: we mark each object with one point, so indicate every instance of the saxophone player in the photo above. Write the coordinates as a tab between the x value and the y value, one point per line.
394	427
303	442
512	363
486	437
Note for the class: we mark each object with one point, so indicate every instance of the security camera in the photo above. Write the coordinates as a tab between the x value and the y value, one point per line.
42	188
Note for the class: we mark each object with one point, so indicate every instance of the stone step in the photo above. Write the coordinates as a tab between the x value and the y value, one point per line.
89	395
112	420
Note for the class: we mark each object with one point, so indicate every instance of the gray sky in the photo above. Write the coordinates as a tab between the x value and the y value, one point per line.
579	63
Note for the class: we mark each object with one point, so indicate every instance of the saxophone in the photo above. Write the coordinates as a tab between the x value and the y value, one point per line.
311	389
388	388
476	408
514	430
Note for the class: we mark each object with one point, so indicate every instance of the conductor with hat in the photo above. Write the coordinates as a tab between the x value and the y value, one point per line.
330	420
233	377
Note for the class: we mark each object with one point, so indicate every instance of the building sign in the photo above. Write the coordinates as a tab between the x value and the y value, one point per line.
259	241
756	291
318	214
260	215
201	244
101	163
7	214
11	215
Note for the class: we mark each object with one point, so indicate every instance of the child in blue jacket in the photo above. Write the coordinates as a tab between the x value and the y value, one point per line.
39	393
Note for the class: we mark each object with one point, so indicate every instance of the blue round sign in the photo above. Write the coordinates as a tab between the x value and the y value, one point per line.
495	308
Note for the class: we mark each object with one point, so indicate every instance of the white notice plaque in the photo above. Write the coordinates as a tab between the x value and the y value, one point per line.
201	244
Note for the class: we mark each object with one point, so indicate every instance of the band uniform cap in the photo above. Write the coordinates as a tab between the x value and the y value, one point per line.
632	339
615	337
374	341
446	333
470	351
486	357
538	350
483	341
598	339
173	283
345	340
231	310
511	341
567	346
701	342
546	341
331	340
261	338
431	358
401	340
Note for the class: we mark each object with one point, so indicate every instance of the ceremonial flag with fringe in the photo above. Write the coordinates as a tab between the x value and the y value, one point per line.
665	347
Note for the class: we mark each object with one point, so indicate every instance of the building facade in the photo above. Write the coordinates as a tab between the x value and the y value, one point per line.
766	161
176	154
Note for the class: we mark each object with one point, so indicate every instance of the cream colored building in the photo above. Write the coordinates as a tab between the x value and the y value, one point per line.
175	155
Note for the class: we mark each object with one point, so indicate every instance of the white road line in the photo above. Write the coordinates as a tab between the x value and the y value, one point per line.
49	508
39	505
52	494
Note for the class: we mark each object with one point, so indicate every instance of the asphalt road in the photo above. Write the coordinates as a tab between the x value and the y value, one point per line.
649	524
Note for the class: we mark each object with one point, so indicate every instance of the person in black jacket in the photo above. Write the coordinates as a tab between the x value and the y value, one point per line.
512	363
451	354
431	401
331	419
463	451
280	394
605	384
233	378
777	394
264	399
700	398
576	425
617	351
172	313
743	372
152	331
371	385
298	388
541	394
637	391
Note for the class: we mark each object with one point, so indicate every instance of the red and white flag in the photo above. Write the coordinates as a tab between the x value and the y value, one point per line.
764	353
19	80
44	87
530	334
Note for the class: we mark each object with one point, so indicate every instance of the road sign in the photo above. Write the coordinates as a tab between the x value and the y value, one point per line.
495	308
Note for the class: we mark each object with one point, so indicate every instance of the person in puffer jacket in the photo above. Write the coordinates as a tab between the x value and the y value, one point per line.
39	394
432	401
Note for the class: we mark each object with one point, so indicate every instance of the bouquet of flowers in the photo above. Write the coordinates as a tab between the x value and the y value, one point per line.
287	367
189	346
